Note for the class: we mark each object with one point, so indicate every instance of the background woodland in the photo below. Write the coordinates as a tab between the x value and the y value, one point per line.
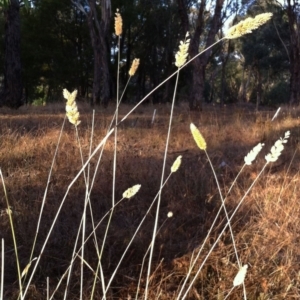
48	45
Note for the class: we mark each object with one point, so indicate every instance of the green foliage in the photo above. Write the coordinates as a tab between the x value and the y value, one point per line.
265	54
55	48
279	93
152	33
5	3
57	52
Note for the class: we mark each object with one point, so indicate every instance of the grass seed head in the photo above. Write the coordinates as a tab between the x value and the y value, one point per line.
240	276
71	107
118	23
134	66
176	164
277	148
70	97
250	157
199	139
170	214
25	271
131	191
247	26
182	53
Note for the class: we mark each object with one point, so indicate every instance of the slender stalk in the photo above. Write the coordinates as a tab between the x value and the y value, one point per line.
116	130
99	146
46	189
207	236
47	288
134	235
2	270
167	79
220	235
61	205
225	210
13	233
159	195
143	262
74	255
82	225
83	216
77	253
88	178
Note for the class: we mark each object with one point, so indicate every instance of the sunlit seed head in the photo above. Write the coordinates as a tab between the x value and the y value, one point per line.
134	66
131	191
118	23
176	164
199	139
182	53
240	276
71	107
247	26
70	97
25	271
277	148
170	214
250	157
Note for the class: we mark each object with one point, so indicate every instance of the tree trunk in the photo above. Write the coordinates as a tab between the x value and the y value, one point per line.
224	59
241	93
294	53
97	53
242	96
98	30
198	66
200	63
258	88
11	92
105	86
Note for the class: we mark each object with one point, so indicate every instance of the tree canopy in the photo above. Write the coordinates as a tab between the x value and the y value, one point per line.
72	44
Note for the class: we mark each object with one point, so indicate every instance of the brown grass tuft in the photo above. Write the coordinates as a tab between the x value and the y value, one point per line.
267	227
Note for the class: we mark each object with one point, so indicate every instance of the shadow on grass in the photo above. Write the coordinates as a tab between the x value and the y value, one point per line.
190	194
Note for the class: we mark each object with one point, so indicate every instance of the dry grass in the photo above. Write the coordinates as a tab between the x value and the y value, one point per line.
266	227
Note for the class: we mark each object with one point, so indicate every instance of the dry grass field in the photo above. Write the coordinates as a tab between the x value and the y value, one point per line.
266	227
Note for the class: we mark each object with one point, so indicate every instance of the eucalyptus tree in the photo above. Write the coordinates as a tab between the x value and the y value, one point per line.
266	55
12	89
98	16
151	32
293	13
203	22
286	25
56	50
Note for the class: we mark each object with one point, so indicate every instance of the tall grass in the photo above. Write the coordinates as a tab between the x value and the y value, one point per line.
93	254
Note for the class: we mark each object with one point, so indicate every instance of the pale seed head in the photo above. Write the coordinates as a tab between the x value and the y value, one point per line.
199	139
25	271
131	191
182	53
247	26
176	164
70	97
170	214
134	66
118	23
250	157
240	276
277	148
71	107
